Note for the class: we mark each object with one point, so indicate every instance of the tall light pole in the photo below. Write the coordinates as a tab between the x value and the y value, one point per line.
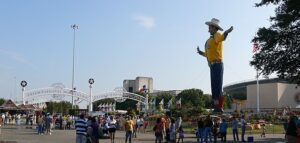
255	49
91	81
74	27
23	84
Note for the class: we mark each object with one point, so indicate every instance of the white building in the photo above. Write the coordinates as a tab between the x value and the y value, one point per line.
273	93
137	84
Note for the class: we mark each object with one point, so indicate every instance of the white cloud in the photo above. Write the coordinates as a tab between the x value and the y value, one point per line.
15	56
145	21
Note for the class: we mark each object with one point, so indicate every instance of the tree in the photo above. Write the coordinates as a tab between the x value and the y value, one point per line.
194	97
2	100
59	107
208	101
163	95
280	43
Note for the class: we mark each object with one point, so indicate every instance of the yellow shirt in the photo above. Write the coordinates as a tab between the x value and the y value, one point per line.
214	47
129	125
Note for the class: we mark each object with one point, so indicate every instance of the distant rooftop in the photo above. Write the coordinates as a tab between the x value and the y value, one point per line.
250	82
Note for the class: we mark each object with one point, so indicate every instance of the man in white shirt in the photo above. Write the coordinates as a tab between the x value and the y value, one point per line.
243	127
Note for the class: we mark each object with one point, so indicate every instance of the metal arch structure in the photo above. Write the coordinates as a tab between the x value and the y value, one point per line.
57	94
120	94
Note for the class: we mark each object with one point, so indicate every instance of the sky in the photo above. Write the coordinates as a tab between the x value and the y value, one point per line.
119	40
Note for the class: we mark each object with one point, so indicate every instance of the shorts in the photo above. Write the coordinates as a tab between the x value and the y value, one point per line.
112	130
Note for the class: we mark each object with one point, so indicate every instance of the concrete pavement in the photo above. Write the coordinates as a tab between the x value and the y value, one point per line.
20	134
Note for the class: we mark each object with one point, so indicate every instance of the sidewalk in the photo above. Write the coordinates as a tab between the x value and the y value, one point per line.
19	134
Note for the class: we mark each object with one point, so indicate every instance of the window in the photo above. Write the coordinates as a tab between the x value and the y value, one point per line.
130	89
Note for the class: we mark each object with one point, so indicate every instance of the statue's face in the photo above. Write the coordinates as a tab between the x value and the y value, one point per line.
212	29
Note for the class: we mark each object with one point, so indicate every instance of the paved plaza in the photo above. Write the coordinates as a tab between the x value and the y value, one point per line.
21	134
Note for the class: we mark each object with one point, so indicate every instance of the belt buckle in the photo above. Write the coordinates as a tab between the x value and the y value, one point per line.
214	62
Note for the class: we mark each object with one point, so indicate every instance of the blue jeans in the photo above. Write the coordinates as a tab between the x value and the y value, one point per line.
200	135
207	134
128	136
235	134
80	138
216	78
243	132
40	128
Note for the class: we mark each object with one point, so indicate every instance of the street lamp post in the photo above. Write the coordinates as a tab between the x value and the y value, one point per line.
23	84
74	27
91	81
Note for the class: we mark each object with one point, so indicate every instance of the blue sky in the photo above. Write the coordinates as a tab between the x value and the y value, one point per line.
119	40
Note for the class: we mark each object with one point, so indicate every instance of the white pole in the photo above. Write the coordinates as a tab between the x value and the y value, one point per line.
257	90
147	102
73	69
91	100
23	95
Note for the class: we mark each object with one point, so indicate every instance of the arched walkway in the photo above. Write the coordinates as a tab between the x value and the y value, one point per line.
58	92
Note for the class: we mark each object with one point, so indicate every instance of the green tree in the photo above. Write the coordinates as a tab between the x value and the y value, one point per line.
228	102
279	44
208	102
163	95
193	97
2	100
59	107
128	104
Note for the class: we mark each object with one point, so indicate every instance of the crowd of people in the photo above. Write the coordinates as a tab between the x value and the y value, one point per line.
93	128
165	128
7	118
215	128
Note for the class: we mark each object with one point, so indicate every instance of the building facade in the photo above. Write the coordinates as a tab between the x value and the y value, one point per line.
273	93
138	84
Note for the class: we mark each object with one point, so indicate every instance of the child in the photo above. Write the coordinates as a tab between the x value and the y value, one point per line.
263	130
181	134
172	131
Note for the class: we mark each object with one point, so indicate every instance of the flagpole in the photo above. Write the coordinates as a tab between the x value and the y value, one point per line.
255	49
257	90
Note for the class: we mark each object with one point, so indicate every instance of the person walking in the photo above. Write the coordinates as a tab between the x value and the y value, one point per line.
235	129
181	134
208	124
128	129
200	131
172	131
48	124
291	133
40	124
158	130
81	129
95	130
215	129
214	54
112	128
243	127
223	130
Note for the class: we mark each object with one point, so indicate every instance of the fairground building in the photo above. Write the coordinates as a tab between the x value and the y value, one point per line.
272	94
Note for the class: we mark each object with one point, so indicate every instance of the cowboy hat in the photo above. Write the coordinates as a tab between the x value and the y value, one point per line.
214	22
